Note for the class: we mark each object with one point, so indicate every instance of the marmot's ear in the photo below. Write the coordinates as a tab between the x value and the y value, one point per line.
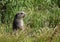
16	15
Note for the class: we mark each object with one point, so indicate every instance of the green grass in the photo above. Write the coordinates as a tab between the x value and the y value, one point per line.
29	35
40	21
37	30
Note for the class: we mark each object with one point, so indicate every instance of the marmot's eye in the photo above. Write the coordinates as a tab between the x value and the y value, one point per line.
21	13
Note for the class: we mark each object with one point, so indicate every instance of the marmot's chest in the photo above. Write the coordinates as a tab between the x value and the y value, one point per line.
20	23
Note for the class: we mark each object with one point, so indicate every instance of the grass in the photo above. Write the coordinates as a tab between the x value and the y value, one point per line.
44	34
40	22
37	30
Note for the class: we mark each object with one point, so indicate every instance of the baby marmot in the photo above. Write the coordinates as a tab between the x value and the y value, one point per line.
18	21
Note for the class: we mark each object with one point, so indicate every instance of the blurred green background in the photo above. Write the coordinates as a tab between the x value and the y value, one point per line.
40	14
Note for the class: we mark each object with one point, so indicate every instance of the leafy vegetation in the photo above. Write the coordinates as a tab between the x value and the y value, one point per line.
41	20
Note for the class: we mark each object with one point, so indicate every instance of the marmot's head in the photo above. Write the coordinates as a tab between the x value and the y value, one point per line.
20	14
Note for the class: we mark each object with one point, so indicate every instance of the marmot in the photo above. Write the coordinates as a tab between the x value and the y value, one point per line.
18	22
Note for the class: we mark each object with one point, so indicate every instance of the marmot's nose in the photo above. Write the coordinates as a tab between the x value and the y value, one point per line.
23	15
